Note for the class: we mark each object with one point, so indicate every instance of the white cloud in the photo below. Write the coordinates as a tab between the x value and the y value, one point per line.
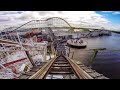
116	12
78	18
113	12
108	11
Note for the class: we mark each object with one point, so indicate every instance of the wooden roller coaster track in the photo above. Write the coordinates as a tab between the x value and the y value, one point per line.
61	65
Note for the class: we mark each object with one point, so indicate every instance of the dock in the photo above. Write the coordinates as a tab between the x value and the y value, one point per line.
33	41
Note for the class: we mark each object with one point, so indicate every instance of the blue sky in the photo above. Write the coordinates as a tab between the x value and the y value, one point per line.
93	19
113	16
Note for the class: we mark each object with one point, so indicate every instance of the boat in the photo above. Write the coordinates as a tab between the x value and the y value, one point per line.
76	43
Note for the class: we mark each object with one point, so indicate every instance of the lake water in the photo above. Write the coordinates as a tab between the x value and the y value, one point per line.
108	42
107	62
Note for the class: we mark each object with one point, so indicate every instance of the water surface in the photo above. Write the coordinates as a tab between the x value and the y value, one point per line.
107	62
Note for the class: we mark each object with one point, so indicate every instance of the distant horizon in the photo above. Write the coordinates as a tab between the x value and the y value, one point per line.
107	19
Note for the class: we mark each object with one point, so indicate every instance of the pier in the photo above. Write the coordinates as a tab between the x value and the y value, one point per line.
60	66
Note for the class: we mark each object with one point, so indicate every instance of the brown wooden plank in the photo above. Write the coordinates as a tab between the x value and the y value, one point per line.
23	77
61	73
95	74
101	77
79	72
61	63
61	69
40	74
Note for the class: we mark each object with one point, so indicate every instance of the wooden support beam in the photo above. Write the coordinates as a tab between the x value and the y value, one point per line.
29	57
60	62
17	50
61	73
79	72
43	71
12	42
8	42
61	69
61	65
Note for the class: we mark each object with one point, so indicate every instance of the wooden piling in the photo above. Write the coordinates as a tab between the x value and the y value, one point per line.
29	57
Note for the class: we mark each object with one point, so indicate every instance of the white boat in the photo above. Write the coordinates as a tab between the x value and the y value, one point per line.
77	43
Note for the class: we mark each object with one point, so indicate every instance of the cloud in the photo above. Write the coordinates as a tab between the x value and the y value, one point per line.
75	18
86	18
113	12
116	12
108	11
9	12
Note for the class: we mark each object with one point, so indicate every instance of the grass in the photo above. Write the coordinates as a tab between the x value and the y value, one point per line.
93	57
85	29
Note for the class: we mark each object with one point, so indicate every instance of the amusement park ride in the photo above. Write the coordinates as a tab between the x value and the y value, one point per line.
26	48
